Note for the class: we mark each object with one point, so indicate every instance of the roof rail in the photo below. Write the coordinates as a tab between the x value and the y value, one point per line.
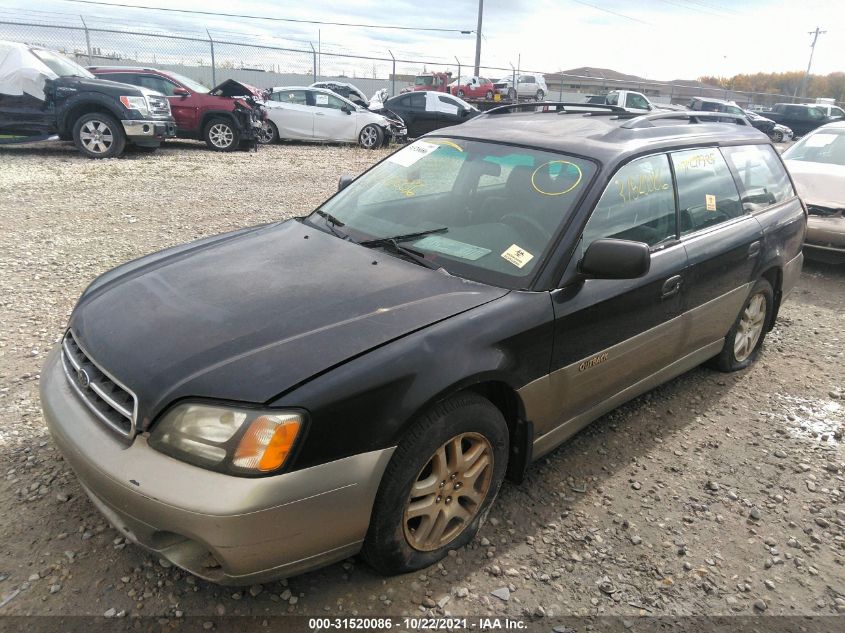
560	107
694	116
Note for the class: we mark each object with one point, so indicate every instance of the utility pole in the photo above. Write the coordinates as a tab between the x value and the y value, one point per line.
478	39
806	81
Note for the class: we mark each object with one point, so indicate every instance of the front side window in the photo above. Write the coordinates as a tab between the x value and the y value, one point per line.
638	102
834	111
763	181
638	205
322	100
427	80
707	193
190	84
487	227
291	96
815	114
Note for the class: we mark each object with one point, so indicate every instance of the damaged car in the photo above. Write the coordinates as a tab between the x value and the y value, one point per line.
817	165
298	113
261	403
44	95
228	117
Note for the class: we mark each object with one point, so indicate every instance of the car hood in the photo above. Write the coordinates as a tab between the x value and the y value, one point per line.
819	184
233	88
246	317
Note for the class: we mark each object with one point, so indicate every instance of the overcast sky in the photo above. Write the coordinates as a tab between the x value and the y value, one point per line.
657	39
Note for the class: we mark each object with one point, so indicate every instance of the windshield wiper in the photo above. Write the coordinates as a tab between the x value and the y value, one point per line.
393	244
402	238
333	223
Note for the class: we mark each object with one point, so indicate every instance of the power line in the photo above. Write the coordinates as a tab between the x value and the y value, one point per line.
273	19
598	8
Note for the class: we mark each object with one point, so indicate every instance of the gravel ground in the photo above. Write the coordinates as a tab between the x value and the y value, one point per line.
713	494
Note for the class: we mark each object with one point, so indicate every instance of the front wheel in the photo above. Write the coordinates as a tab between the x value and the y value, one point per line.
99	135
439	485
371	137
489	95
743	342
268	134
777	136
221	135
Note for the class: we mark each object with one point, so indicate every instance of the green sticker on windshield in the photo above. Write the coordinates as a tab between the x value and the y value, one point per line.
447	246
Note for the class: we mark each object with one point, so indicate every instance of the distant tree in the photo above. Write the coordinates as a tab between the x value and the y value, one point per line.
785	83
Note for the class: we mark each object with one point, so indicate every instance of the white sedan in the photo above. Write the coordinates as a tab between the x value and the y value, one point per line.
315	114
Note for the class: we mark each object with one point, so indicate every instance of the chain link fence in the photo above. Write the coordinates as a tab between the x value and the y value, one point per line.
213	59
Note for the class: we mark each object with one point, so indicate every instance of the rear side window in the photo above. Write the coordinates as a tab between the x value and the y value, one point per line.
418	101
707	193
638	205
290	96
762	179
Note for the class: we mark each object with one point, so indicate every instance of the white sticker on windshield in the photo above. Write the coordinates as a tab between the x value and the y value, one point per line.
517	256
448	246
820	140
321	99
409	155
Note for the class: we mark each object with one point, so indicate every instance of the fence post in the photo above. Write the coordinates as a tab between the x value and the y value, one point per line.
213	61
314	58
459	72
393	74
87	40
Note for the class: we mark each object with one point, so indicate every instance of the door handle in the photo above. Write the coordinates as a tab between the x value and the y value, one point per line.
671	287
754	250
319	114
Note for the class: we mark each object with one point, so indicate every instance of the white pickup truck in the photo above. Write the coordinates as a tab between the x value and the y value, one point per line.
628	99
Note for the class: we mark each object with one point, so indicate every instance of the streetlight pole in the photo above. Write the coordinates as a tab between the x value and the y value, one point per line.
478	39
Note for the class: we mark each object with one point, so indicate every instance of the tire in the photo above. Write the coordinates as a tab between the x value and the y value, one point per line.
394	544
461	94
540	95
221	135
371	137
269	133
489	95
751	326
777	136
99	135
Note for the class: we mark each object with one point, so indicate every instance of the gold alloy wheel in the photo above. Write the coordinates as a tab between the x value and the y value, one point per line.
448	492
750	327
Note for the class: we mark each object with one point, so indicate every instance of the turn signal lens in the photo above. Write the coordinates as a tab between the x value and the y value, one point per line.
267	442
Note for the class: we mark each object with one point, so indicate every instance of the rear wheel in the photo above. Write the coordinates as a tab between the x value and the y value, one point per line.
439	485
489	95
221	135
777	136
511	94
99	135
540	95
461	94
371	137
743	342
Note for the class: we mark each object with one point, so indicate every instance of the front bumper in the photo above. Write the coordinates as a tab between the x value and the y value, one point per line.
148	129
229	530
825	237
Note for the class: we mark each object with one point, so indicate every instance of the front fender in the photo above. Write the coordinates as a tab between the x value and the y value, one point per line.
83	98
368	402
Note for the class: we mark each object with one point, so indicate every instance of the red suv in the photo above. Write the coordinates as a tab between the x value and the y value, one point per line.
226	118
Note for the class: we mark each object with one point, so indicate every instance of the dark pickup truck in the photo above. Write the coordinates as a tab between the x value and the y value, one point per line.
44	95
798	117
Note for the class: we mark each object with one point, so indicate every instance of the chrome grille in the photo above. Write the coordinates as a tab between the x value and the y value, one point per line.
159	106
111	402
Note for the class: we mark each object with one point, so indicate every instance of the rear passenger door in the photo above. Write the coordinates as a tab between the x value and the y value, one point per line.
723	244
610	334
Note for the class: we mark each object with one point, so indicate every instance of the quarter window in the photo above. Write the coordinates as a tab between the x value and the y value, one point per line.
638	205
707	194
761	177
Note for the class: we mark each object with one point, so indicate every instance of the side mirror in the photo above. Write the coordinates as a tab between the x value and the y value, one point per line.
344	181
180	92
616	259
346	109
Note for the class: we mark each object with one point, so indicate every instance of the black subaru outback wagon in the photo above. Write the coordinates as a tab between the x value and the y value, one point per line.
264	402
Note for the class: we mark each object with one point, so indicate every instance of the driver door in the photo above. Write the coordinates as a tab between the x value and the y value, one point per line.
611	334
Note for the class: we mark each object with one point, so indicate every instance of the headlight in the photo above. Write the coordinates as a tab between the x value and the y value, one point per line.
136	103
233	440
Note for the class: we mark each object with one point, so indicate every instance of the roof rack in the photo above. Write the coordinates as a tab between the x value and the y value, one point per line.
694	116
560	107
